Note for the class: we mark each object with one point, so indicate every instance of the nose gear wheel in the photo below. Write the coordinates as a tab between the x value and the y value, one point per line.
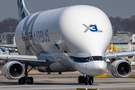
86	80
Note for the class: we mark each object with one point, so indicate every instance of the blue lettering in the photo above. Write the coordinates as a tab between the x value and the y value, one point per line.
37	35
93	28
47	36
41	36
34	38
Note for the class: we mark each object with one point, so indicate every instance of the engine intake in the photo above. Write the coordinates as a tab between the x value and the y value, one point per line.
13	70
120	68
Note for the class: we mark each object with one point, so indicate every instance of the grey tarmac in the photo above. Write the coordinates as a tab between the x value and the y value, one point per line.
67	81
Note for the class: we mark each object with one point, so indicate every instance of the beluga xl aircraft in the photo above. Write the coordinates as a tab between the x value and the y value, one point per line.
73	38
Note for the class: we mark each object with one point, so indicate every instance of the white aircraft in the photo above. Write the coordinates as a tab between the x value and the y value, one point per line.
72	38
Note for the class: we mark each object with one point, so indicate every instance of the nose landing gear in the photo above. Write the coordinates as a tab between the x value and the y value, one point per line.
86	79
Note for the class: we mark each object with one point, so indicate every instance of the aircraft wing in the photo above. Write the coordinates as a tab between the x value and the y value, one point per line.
27	58
9	46
119	54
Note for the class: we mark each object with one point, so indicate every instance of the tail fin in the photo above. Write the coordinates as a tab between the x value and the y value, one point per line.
22	10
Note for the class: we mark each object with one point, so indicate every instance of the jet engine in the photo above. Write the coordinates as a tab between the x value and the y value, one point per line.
13	70
120	68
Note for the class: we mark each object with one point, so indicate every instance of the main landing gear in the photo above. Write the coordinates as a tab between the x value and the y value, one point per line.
26	79
86	79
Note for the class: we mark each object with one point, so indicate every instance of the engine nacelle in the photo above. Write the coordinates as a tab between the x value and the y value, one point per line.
120	68
13	70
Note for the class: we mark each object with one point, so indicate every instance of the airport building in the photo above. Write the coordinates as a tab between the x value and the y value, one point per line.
124	41
7	38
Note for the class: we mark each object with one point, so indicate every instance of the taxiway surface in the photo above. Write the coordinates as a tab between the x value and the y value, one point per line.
67	81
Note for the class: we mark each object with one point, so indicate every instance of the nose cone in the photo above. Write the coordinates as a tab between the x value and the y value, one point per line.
99	68
86	29
93	68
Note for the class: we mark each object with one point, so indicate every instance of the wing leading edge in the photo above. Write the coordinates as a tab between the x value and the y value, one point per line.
27	58
119	54
9	46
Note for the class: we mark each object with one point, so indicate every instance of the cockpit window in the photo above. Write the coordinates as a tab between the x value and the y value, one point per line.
87	59
97	58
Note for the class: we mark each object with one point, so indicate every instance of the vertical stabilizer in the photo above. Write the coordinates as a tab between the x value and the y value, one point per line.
22	10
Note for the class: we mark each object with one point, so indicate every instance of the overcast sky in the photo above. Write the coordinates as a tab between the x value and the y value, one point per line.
122	8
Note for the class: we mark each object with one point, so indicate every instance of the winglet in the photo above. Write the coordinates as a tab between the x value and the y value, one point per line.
22	10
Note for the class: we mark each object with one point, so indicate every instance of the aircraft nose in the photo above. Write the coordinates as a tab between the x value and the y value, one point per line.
99	68
94	68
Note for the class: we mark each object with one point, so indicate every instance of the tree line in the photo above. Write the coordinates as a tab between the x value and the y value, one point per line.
8	25
123	24
118	23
